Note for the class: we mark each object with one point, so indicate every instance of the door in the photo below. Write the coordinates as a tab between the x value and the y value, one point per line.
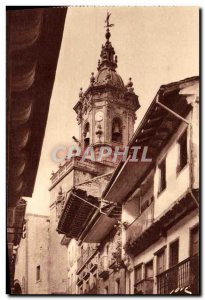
173	261
149	278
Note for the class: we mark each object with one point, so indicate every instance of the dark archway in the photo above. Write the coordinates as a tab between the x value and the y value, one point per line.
117	130
17	288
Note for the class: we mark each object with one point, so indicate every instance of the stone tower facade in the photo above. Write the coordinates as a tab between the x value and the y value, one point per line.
106	110
106	117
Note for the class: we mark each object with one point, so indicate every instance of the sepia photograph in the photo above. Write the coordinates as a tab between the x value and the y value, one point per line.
103	150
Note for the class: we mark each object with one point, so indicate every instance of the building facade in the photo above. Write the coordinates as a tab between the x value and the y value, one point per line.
31	272
160	205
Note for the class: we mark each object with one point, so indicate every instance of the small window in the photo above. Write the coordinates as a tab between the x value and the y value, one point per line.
161	262
162	176
81	250
38	273
117	130
174	253
149	270
138	273
182	158
86	134
106	290
194	241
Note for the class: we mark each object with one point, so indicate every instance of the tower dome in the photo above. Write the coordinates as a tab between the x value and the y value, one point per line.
106	110
107	75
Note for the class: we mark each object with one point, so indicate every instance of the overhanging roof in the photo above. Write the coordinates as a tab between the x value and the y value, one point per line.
33	44
154	131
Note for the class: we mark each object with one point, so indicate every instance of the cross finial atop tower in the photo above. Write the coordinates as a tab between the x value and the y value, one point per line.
108	25
107	20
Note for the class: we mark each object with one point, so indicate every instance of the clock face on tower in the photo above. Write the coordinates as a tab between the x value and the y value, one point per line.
99	116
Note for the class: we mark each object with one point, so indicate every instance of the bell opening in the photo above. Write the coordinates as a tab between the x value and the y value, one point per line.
116	130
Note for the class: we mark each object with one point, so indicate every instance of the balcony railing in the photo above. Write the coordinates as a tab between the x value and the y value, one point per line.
140	224
68	165
144	286
182	277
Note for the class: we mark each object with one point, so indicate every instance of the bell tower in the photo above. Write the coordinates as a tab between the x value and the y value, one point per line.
106	111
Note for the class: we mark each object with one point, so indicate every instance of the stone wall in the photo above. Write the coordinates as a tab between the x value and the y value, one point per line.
33	252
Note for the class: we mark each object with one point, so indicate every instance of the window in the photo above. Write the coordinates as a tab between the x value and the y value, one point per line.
162	176
149	278
138	273
107	250
106	290
86	134
161	261
81	250
38	273
149	270
182	159
117	130
194	241
174	253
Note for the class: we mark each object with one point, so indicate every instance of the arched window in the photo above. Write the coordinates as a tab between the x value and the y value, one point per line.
117	130
17	288
86	134
107	250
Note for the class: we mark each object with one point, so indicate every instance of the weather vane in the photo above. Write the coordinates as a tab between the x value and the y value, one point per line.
107	20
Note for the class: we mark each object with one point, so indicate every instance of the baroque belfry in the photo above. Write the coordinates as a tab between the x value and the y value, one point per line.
106	110
106	113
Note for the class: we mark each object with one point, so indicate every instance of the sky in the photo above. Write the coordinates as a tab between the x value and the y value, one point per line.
154	45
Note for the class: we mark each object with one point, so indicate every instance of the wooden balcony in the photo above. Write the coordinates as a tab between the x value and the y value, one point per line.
146	230
140	224
144	287
180	279
78	209
85	258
